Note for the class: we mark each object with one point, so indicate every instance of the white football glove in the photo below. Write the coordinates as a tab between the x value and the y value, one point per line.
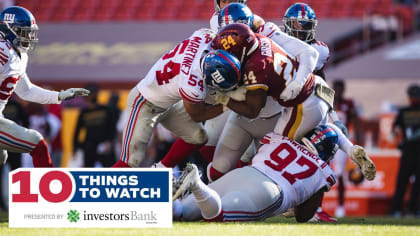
222	98
291	91
72	93
239	94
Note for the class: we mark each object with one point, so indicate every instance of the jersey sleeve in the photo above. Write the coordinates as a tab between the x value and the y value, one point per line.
30	92
324	54
268	29
214	22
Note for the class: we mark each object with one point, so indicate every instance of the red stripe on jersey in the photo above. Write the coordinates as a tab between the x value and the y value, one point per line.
188	98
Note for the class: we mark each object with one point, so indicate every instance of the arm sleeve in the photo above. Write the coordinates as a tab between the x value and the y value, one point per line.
305	53
30	92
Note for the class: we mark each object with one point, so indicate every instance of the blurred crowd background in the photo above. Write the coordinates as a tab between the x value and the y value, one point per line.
107	46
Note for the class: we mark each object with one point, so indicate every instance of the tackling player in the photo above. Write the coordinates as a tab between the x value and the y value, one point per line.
175	77
18	36
284	174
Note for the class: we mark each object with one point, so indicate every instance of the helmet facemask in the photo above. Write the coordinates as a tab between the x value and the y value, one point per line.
26	37
303	29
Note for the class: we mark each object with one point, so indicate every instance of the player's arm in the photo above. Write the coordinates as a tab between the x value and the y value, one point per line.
200	112
306	210
251	107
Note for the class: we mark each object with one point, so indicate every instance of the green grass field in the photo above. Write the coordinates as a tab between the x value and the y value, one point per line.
272	226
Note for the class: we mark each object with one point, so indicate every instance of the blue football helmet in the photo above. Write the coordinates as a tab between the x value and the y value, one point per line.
235	13
217	3
322	141
19	28
300	21
221	70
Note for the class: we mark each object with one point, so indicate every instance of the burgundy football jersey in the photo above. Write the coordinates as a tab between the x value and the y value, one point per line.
271	68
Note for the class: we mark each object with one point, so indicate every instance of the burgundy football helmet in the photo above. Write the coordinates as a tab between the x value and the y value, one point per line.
237	39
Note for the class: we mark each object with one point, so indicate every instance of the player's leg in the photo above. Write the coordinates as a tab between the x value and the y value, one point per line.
203	199
15	138
214	128
298	120
232	144
257	128
339	162
254	200
138	129
192	135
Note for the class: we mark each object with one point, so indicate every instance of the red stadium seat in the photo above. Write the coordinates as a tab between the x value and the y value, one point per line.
82	14
61	14
123	14
103	14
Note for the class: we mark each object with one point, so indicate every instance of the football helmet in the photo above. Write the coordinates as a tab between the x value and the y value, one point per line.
221	70
19	28
322	141
237	39
300	22
217	4
235	13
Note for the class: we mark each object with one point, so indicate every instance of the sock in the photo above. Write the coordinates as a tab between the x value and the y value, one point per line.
120	164
179	151
208	200
41	156
213	174
208	152
341	190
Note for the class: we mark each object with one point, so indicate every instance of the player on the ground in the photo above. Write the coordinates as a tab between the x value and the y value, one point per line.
284	174
176	76
18	36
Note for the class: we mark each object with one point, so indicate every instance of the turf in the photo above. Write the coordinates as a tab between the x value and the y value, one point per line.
272	226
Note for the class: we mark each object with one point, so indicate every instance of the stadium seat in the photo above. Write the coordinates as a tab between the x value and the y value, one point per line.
61	14
82	14
124	14
103	14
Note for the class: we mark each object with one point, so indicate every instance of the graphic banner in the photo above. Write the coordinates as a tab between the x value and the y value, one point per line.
90	198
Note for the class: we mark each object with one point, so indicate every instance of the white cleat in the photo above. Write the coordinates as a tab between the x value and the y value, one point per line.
188	179
358	155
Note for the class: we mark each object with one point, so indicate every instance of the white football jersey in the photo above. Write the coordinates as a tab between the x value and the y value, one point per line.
177	74
214	22
324	53
13	78
289	164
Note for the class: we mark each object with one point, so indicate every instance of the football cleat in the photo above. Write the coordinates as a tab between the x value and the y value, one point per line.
188	180
359	156
322	216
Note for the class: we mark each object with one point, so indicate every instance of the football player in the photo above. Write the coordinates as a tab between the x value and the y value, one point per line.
18	36
174	77
284	174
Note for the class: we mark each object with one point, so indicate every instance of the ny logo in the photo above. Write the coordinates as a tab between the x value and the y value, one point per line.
10	18
217	77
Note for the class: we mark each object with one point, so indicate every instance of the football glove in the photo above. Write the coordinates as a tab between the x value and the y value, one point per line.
239	94
72	93
291	91
222	98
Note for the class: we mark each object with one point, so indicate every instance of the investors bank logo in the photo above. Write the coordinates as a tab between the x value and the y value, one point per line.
73	216
90	198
